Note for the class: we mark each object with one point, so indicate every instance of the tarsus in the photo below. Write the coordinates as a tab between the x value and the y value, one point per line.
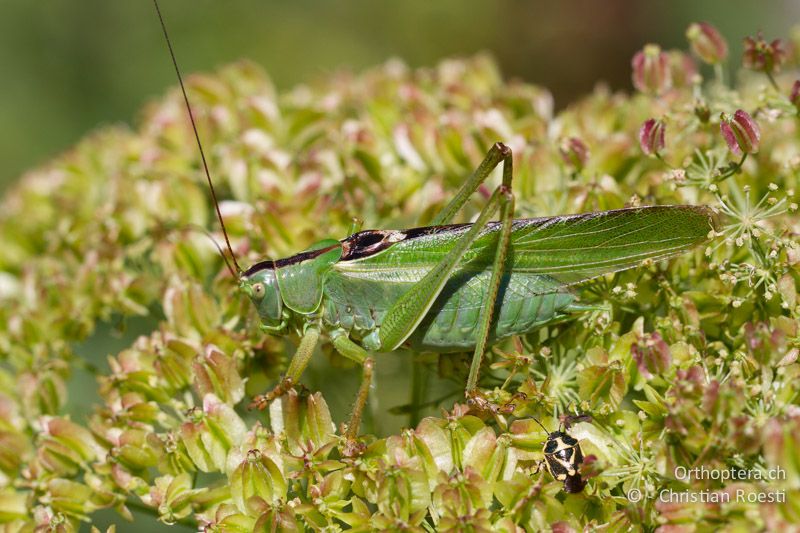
238	270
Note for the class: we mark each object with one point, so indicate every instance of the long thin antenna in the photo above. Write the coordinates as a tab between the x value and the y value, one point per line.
199	145
216	245
541	425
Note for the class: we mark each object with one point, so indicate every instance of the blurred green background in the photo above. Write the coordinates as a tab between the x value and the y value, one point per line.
70	65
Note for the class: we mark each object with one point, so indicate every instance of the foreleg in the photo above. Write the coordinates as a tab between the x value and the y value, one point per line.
297	365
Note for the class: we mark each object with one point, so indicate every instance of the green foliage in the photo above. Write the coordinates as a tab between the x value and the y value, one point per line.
686	364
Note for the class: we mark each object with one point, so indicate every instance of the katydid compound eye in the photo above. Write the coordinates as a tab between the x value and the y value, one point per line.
258	290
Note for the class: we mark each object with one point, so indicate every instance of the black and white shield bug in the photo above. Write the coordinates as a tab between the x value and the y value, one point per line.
563	458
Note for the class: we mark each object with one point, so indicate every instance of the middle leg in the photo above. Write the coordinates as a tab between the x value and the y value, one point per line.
349	349
498	269
408	311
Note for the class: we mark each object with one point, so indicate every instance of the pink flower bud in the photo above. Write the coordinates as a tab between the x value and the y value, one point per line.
763	56
794	96
651	136
651	72
740	132
707	43
574	153
683	69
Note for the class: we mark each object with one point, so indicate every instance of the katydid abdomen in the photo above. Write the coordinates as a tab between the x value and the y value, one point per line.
453	322
526	301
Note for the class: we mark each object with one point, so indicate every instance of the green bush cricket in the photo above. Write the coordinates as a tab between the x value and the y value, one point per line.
448	287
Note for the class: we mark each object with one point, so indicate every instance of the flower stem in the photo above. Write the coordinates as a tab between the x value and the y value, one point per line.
661	158
772	81
719	74
758	251
735	169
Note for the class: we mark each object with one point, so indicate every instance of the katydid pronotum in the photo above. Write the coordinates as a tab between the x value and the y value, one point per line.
448	287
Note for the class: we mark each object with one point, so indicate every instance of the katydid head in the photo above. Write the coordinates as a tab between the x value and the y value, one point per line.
279	288
260	284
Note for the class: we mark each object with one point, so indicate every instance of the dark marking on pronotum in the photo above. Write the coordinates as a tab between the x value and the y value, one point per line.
370	242
298	258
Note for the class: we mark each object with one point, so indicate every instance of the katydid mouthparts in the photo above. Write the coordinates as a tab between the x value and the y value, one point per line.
448	287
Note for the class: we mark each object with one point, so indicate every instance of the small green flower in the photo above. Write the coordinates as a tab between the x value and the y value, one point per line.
257	476
216	373
211	433
302	419
172	497
65	447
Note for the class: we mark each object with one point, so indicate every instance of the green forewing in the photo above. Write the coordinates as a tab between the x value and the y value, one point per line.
566	249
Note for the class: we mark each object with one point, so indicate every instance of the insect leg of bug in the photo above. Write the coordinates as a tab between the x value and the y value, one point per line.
410	309
300	360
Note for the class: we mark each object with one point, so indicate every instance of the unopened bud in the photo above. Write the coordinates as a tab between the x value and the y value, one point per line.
651	72
701	111
741	132
707	43
651	136
574	153
683	69
794	96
